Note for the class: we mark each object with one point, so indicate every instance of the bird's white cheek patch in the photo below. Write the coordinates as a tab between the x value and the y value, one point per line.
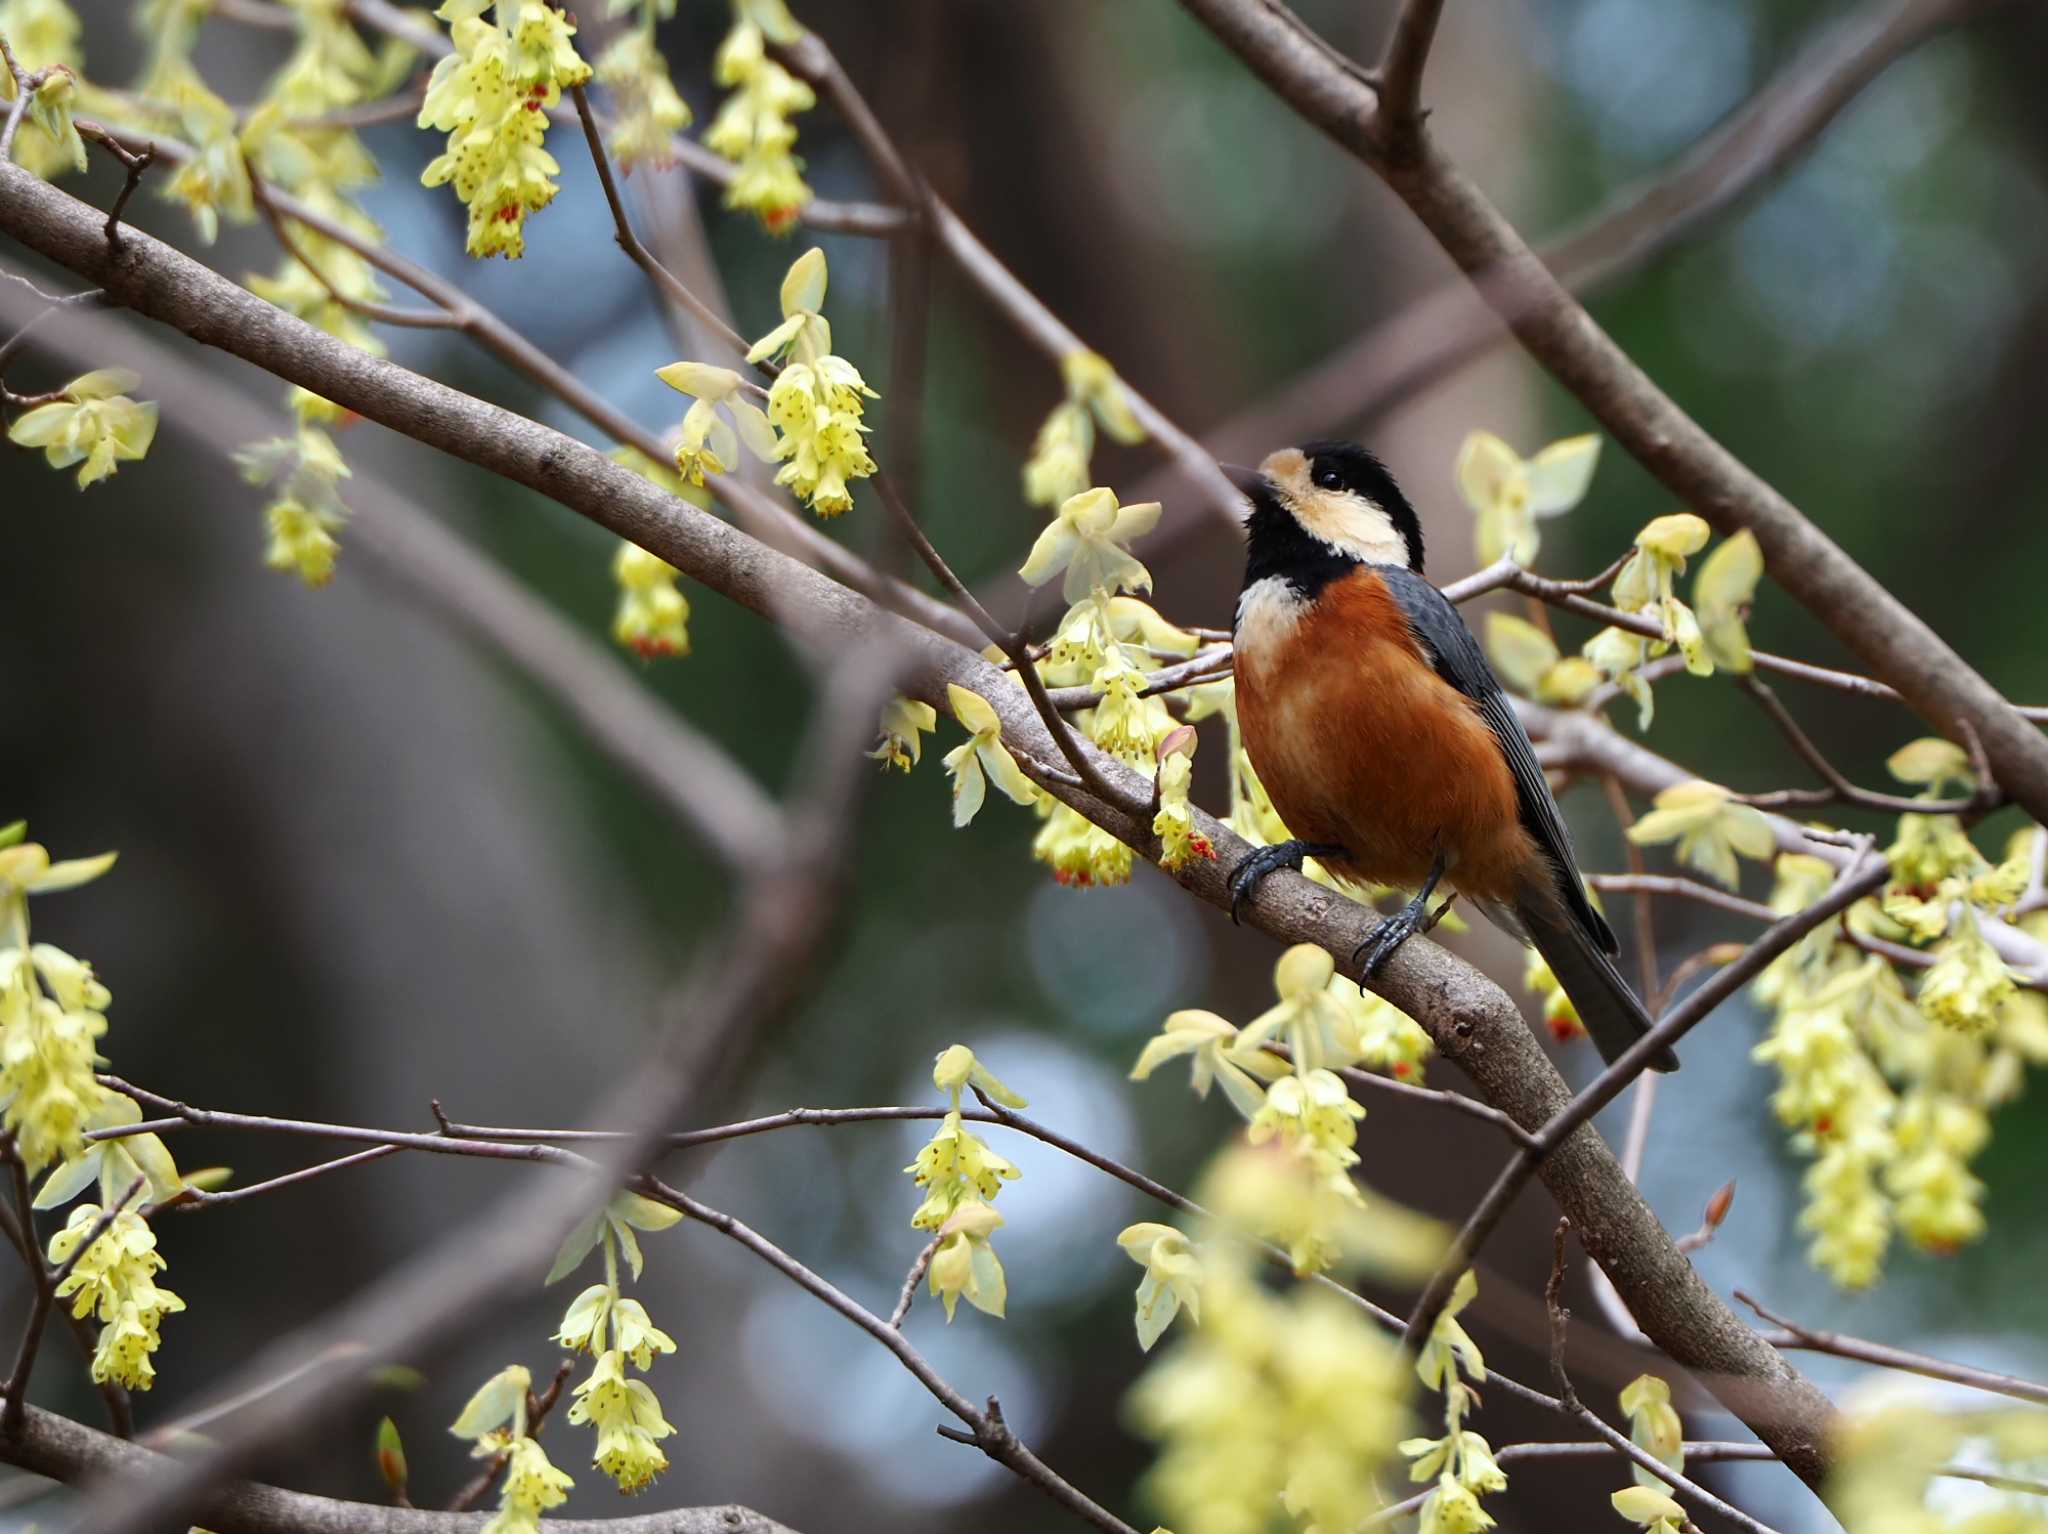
1268	613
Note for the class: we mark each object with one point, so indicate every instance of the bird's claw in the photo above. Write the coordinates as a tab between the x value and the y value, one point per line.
1249	874
1383	940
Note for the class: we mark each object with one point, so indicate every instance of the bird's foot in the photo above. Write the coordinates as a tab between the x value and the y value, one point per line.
1380	944
1246	878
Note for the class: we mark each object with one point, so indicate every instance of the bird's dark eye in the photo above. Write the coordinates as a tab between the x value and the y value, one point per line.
1328	478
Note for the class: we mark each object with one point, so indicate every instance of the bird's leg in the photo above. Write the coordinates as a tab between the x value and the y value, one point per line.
1412	918
1249	874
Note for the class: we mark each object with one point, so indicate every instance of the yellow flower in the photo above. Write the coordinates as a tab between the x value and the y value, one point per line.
1653	1425
583	1323
709	442
955	1167
491	96
1650	1506
653	614
1722	592
816	401
1312	1020
115	1281
1450	1350
44	33
1173	1278
1968	982
1180	843
1080	853
1510	492
1452	1508
1315	1116
903	721
95	424
1126	725
1929	848
1662	548
647	111
215	180
965	1266
1528	661
954	1069
1709	827
636	1335
532	1484
1618	655
1209	1042
304	473
1089	540
753	127
51	110
983	756
1932	763
1058	467
628	1421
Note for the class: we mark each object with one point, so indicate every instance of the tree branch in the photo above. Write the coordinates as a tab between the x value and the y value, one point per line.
1795	1335
67	1451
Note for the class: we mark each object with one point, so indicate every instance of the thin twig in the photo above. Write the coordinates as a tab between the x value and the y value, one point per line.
989	1432
1401	65
1795	1335
1839	789
671	286
1560	1319
133	162
25	85
912	1279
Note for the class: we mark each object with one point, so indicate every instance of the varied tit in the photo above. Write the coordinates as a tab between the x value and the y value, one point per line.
1384	739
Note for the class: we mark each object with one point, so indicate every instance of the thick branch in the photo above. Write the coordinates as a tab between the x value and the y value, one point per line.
67	1451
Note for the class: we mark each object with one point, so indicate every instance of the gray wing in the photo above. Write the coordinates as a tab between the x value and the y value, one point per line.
1459	661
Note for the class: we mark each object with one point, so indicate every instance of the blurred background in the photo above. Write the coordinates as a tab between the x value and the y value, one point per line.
363	865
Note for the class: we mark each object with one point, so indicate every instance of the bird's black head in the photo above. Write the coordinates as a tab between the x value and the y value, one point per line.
1322	508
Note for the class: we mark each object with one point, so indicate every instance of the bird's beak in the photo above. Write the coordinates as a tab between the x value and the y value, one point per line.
1250	481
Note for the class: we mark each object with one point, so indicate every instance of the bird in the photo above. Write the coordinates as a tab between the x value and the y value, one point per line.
1386	742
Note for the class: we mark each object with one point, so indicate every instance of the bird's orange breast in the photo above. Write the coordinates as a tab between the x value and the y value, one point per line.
1360	743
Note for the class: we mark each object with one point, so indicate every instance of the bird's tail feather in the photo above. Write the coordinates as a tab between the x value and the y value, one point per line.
1610	1010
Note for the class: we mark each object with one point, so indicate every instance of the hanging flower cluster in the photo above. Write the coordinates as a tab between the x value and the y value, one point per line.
114	1280
616	1331
1891	1093
304	473
1276	1402
647	110
753	127
52	1014
1461	1462
960	1177
491	96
